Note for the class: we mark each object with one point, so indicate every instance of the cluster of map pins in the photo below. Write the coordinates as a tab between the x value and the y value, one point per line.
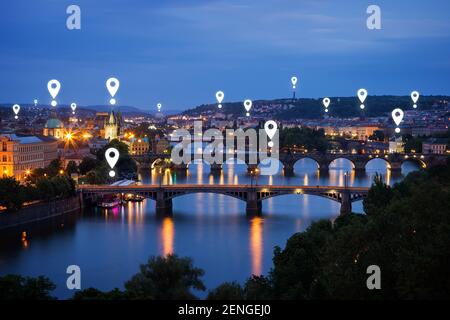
248	105
326	103
73	106
397	116
112	156
16	109
112	84
53	87
415	97
219	96
271	128
362	95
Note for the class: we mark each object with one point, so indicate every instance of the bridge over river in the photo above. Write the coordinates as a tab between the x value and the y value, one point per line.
251	194
393	161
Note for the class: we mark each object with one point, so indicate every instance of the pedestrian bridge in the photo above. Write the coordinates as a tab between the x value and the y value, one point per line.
252	195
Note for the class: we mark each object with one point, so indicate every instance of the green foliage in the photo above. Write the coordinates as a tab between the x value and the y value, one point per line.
303	138
14	287
378	135
227	291
87	164
11	194
95	294
165	278
71	168
413	144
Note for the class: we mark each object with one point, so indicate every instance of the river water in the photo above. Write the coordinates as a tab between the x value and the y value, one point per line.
212	229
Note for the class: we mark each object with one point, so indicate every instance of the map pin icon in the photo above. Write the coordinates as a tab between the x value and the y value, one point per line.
326	102
248	105
362	95
415	97
271	128
53	87
294	82
219	96
159	106
397	115
73	106
112	84
112	156
16	109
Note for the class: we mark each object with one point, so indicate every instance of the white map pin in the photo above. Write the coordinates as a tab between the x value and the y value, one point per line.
112	156
271	128
35	102
73	106
53	87
397	115
112	84
248	105
219	96
415	97
326	102
362	95
16	109
159	106
294	82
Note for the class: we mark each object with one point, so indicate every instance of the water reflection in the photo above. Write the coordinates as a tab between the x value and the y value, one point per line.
167	236
256	245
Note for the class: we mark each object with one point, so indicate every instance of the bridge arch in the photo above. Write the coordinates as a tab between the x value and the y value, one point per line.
301	160
371	162
419	162
341	166
271	166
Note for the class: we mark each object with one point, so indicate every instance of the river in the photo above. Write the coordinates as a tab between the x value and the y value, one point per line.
213	230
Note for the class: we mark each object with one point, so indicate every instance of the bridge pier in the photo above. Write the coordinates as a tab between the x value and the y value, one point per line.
254	206
288	169
360	166
215	168
180	168
163	205
395	166
251	168
346	203
324	166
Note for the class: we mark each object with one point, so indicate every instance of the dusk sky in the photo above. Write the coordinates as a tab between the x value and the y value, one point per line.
181	52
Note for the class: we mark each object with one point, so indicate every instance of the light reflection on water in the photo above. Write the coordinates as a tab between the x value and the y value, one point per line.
213	229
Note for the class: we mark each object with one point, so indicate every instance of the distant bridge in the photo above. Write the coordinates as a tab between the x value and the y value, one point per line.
252	195
394	161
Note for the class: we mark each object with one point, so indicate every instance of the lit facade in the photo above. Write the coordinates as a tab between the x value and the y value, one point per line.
21	154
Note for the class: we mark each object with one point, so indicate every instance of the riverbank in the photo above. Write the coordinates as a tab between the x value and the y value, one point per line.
40	211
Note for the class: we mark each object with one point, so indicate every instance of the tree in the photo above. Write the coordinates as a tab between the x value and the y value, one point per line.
87	164
126	167
227	291
378	135
71	168
11	194
14	287
165	278
95	294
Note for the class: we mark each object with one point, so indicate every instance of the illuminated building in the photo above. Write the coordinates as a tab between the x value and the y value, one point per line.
139	146
113	126
19	155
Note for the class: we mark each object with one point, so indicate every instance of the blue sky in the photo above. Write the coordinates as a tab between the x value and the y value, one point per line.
180	53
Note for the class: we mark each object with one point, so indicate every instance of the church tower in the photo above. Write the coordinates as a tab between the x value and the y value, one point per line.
112	127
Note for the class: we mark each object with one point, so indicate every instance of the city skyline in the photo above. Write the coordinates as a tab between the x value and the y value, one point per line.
181	54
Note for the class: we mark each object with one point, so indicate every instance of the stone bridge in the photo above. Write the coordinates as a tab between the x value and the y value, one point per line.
394	161
252	195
